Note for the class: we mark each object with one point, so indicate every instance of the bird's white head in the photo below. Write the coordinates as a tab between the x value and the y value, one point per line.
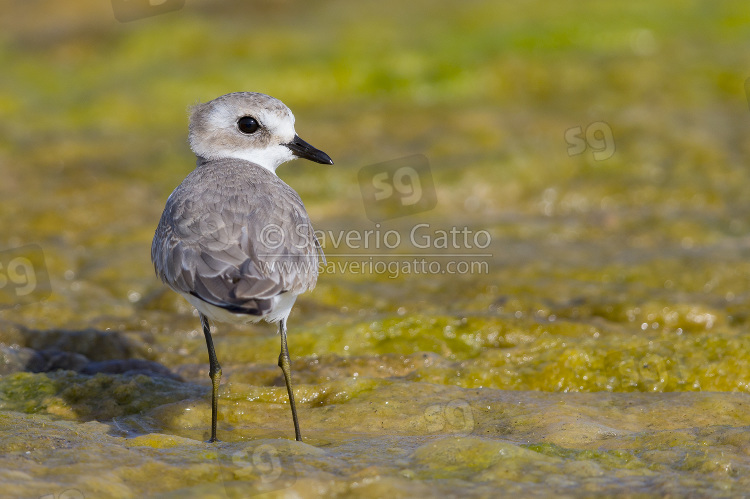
249	126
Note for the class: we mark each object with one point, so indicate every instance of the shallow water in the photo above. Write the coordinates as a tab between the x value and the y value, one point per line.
597	346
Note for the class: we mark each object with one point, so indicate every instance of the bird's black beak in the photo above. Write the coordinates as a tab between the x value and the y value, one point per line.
302	149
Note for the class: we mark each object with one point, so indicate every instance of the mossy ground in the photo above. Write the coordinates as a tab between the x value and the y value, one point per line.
599	347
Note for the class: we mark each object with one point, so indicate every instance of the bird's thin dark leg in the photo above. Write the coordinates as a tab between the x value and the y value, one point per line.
214	373
285	366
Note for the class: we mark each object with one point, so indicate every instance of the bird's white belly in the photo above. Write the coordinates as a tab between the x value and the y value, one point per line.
281	310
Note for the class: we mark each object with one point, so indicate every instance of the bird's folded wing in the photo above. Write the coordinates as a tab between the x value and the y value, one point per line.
237	248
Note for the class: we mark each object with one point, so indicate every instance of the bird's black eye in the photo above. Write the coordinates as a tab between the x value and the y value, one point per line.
248	124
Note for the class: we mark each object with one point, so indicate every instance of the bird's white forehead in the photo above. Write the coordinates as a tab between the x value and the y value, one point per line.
281	124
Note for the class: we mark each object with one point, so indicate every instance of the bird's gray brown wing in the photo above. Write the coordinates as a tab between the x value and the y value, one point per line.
236	236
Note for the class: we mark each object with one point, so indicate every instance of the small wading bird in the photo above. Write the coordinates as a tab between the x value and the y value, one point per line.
234	239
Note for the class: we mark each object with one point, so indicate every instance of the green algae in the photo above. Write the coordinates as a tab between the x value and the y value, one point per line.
602	350
75	396
613	459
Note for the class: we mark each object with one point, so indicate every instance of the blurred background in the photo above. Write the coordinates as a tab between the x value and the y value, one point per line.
600	147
